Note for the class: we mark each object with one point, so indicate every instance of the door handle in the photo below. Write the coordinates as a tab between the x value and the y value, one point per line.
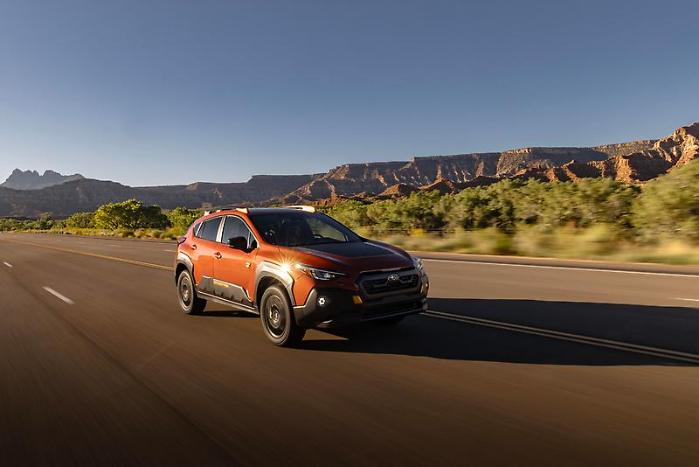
194	246
218	255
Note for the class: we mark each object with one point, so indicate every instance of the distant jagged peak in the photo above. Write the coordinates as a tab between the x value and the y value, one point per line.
32	180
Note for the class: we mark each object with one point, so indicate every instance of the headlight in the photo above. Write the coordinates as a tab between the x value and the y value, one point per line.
418	263
319	274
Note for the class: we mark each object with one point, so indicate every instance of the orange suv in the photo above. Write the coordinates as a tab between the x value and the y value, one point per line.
297	269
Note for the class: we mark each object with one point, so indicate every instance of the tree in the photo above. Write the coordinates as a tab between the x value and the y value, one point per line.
182	218
130	214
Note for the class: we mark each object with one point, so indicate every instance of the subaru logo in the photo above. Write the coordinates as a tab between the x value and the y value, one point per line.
393	278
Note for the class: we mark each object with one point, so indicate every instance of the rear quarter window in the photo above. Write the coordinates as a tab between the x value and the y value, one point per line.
209	229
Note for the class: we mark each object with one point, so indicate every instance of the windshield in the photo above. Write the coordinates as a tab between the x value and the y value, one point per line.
301	229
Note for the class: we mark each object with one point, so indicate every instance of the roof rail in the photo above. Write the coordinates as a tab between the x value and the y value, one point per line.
302	208
226	208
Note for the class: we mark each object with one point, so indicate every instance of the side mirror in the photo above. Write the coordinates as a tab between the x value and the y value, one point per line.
238	243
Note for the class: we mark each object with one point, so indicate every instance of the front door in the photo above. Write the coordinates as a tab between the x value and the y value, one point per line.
234	269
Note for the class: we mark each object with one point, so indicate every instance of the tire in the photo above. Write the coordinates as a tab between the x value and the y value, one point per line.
187	296
277	318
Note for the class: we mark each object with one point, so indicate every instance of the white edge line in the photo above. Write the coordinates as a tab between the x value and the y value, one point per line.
688	299
538	266
59	296
7	264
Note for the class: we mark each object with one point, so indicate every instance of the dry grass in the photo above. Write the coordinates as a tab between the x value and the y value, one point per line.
598	242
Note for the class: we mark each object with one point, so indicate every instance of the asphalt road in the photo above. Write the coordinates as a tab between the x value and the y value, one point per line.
520	362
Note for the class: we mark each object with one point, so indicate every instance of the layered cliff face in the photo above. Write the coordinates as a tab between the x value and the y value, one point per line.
461	170
642	164
681	146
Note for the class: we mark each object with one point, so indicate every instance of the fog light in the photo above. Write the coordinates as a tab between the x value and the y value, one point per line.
356	299
322	301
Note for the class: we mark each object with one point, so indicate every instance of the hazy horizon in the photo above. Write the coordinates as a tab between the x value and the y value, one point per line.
173	92
41	171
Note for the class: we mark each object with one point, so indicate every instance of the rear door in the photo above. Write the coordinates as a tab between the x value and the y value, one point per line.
204	246
234	270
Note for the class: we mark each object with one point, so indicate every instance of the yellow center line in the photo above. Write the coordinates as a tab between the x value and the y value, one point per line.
94	255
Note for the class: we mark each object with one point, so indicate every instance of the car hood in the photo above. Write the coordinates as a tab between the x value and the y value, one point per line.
358	256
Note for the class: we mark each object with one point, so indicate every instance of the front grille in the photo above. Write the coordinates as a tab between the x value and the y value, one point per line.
378	283
384	285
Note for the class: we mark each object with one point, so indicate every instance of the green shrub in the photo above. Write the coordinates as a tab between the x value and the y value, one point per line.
669	206
81	220
504	205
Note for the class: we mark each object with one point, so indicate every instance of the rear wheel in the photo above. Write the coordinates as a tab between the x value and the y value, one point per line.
189	302
277	318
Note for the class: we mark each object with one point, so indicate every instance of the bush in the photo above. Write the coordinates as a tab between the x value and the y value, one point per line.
504	206
7	225
81	220
420	210
669	206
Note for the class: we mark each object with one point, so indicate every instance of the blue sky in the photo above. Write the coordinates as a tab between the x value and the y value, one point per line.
165	92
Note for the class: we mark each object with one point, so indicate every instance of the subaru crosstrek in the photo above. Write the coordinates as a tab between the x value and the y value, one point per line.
297	269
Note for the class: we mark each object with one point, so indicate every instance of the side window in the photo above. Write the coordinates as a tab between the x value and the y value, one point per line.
236	227
209	229
196	228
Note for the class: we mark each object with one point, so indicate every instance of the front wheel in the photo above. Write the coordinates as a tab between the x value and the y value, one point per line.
277	318
189	302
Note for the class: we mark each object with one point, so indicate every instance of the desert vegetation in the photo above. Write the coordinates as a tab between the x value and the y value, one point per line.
592	218
129	218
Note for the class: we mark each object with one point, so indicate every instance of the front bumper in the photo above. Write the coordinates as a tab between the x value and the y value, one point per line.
337	307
